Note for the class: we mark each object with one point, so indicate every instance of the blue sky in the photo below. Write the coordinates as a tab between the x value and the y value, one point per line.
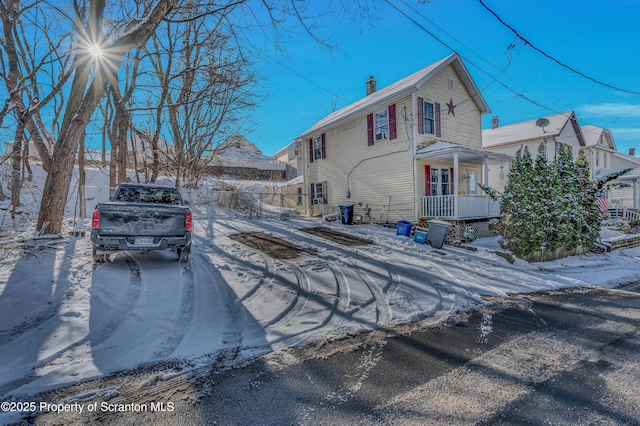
595	38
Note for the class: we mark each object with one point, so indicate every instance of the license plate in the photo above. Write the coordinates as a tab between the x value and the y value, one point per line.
143	241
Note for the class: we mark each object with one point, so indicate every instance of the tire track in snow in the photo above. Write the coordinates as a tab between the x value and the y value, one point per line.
118	317
96	338
232	337
185	314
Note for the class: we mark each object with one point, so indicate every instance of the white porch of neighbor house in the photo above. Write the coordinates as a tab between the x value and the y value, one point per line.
457	195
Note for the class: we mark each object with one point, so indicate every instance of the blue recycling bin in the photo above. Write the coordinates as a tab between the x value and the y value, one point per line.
404	228
346	211
420	237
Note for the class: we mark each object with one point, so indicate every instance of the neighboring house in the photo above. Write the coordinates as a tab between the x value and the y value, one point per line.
240	158
553	131
409	151
604	159
291	155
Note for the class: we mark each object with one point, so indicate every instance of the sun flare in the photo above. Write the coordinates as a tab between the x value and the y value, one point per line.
96	51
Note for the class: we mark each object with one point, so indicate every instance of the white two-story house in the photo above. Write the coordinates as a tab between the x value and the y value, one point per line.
408	151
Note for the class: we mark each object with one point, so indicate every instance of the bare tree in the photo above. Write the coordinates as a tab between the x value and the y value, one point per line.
88	87
203	93
206	88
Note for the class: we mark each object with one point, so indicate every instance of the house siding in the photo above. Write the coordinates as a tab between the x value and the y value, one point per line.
463	128
380	175
622	197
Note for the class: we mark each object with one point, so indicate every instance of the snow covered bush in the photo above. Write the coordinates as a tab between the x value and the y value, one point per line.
549	205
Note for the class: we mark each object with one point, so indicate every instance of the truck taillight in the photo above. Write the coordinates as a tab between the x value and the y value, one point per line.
187	222
95	222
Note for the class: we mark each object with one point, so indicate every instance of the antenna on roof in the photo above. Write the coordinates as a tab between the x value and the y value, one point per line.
542	122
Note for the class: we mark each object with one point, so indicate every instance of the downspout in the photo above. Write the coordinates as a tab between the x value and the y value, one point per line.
414	138
305	179
485	180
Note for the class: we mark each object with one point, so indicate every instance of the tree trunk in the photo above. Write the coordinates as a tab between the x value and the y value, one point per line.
81	182
81	107
15	173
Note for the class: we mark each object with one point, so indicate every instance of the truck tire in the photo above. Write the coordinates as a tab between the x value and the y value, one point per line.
99	258
183	255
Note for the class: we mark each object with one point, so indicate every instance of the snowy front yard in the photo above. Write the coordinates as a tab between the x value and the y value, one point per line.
64	319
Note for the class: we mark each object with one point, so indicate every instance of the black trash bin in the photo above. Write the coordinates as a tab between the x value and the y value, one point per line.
346	210
438	231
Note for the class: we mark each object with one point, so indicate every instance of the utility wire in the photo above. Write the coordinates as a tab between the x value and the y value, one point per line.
518	94
546	55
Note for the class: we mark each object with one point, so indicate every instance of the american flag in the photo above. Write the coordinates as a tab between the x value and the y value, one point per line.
602	203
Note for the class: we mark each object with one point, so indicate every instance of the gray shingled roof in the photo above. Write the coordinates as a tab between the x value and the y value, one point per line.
397	90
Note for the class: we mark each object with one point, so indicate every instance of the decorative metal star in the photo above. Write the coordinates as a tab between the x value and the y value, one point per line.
452	107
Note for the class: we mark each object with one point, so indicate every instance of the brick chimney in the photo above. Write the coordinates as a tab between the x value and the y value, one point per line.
494	122
371	85
632	152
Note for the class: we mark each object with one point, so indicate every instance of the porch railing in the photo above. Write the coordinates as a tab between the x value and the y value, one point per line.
469	206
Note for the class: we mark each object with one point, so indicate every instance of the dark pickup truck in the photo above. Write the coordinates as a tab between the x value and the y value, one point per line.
142	217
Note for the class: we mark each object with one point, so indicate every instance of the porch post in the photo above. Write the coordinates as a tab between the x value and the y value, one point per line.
636	191
456	211
485	181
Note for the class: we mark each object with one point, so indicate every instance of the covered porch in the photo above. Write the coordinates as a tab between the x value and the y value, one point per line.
447	182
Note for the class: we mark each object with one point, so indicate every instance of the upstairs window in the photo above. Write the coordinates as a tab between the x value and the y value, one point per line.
428	117
317	148
382	125
381	120
560	146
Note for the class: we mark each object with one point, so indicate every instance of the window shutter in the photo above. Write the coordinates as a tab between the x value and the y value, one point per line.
421	116
392	122
427	180
370	130
325	196
451	178
324	147
437	119
311	150
313	192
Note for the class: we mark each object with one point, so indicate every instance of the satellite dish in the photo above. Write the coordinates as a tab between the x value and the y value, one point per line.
542	122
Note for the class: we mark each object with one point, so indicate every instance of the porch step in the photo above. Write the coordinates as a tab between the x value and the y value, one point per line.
620	243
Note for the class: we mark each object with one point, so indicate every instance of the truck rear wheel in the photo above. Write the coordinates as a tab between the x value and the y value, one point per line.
99	258
183	255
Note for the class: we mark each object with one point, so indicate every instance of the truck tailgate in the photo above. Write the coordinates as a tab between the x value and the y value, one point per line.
141	220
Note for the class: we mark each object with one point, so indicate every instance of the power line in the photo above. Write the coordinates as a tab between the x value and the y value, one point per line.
518	94
546	55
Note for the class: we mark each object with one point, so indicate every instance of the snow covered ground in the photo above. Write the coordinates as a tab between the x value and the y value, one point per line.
64	319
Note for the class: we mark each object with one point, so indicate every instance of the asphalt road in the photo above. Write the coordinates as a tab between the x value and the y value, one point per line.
564	357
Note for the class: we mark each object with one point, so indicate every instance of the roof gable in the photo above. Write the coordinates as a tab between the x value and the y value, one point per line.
400	88
594	136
